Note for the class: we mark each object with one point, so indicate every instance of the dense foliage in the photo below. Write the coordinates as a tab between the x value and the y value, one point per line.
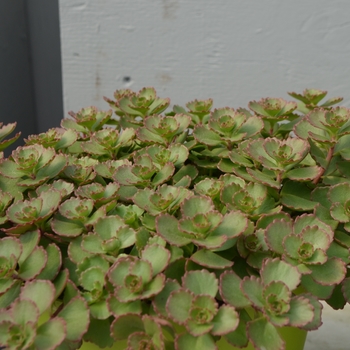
172	230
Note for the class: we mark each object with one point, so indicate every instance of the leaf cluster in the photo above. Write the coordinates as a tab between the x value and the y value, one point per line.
175	229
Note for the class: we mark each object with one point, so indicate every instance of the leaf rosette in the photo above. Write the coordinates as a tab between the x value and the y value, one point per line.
250	198
109	237
310	99
143	173
305	244
271	295
5	130
30	214
98	193
194	306
137	279
76	216
163	130
164	199
175	153
21	327
87	120
33	165
227	126
129	105
80	170
324	126
201	224
106	143
57	138
273	108
147	332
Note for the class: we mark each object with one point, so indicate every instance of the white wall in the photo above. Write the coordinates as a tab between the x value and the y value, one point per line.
231	50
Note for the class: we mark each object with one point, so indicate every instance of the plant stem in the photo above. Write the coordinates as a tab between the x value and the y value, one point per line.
328	159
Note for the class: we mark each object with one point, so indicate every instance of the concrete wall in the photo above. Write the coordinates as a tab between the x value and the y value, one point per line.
233	51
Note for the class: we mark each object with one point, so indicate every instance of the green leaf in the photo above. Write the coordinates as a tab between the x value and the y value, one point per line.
346	289
278	270
275	233
253	289
301	312
29	241
34	264
264	335
11	246
230	290
24	311
238	337
179	305
76	315
201	282
330	273
60	282
67	227
232	225
51	334
188	341
41	292
316	289
99	310
164	174
209	259
161	299
7	298
118	308
54	262
264	178
157	256
304	174
75	251
297	196
225	321
93	279
99	333
125	325
167	227
204	135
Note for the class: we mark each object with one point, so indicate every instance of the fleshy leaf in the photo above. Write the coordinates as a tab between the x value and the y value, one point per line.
188	341
207	258
51	334
41	292
76	315
264	335
278	270
331	272
201	282
230	290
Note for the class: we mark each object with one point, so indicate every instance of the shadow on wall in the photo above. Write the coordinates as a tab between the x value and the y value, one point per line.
30	78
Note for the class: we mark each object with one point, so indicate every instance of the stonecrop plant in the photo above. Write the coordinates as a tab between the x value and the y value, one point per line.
175	229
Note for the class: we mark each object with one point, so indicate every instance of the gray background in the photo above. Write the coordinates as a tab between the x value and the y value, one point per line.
30	58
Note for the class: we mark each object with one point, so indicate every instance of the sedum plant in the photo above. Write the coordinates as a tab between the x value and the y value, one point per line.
179	229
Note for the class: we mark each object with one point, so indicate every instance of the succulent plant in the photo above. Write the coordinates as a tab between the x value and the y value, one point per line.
177	229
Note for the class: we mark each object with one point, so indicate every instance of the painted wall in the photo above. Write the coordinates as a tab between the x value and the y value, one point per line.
233	51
